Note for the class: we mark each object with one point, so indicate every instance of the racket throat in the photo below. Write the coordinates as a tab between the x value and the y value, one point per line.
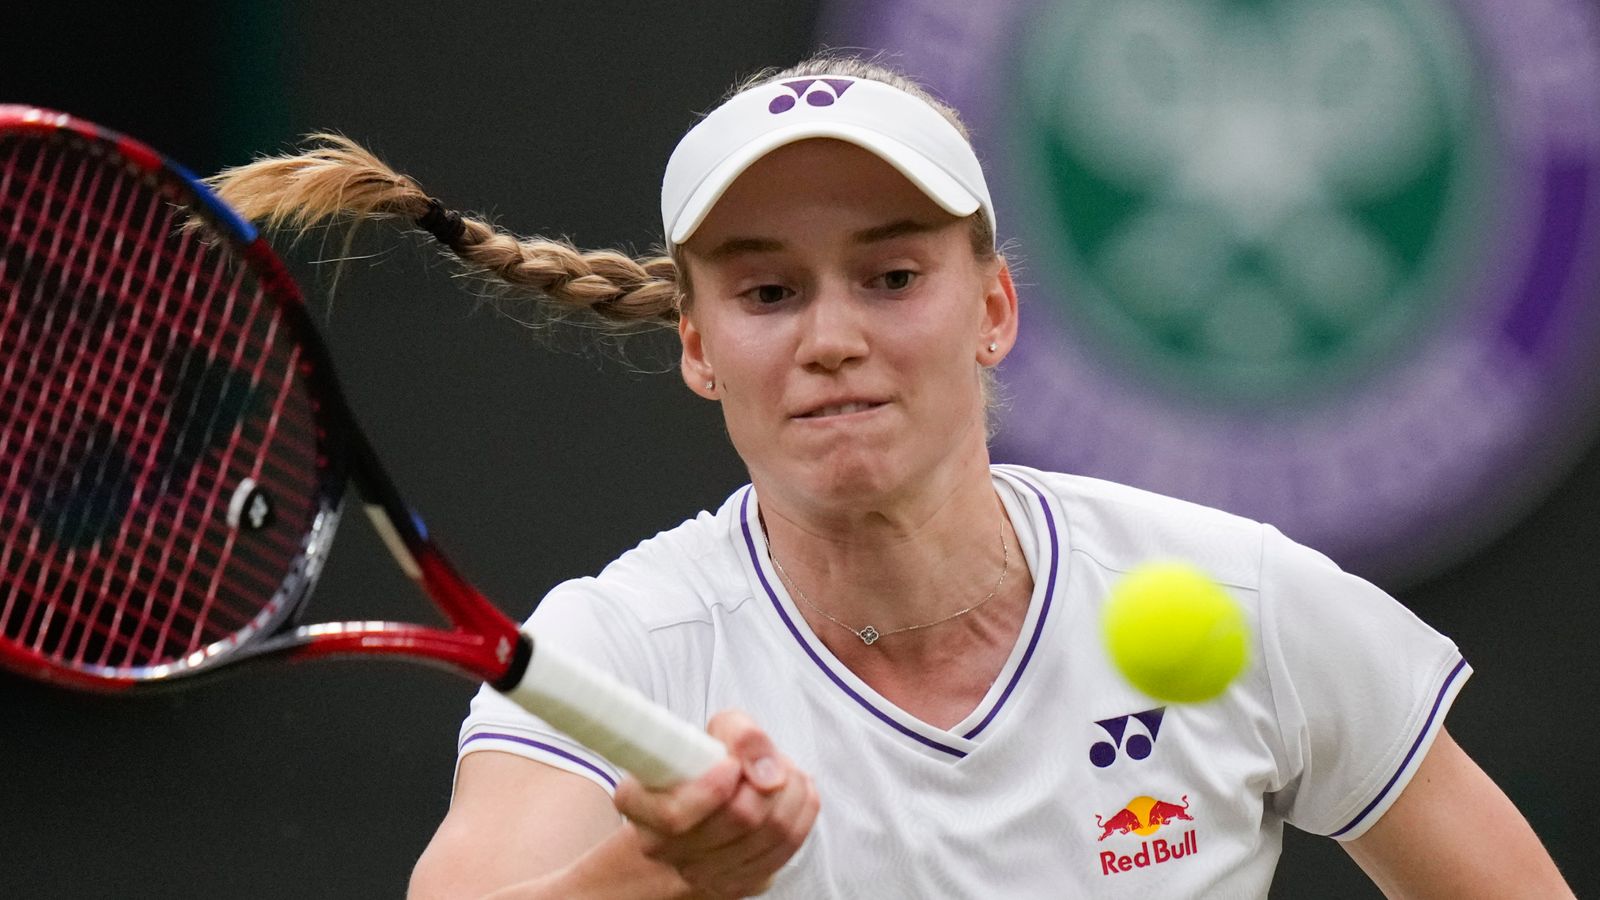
521	653
384	525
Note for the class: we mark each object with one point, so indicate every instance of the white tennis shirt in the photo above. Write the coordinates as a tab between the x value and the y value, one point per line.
1065	781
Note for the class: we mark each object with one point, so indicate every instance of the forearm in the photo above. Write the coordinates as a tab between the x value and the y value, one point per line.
523	831
614	869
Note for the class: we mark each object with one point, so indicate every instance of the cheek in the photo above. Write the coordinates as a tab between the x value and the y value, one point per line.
941	365
749	362
749	369
942	349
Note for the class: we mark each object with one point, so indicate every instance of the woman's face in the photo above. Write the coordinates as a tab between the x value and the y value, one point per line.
843	316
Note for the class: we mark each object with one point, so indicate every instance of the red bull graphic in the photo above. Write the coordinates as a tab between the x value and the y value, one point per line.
1161	813
1142	817
1125	822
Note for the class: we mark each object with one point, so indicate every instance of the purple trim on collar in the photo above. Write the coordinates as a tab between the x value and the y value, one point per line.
1016	677
755	559
1044	610
571	757
1415	746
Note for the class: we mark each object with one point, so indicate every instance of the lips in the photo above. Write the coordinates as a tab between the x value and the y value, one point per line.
840	408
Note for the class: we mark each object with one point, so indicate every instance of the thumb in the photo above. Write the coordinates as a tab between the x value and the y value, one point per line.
760	761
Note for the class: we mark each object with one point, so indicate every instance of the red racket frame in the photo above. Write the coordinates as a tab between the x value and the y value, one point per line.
484	643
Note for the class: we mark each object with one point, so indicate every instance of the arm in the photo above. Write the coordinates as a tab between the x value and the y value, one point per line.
521	830
521	823
1453	833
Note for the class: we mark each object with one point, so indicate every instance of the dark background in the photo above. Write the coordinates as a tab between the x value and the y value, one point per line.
536	459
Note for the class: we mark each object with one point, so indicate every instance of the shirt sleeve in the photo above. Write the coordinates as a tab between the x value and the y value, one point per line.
1360	684
586	623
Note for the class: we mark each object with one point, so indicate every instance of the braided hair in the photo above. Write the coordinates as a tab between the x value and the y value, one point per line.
333	178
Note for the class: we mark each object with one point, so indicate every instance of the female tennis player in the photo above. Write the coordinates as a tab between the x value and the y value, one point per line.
910	631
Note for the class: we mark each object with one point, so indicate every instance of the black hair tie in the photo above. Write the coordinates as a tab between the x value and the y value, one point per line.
444	224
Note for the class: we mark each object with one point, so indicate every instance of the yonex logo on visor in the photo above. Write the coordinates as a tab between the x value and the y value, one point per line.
783	102
901	129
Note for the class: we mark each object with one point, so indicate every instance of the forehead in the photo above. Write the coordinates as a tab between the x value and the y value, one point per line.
815	184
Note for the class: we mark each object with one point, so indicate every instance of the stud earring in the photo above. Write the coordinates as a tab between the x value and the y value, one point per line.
711	385
993	346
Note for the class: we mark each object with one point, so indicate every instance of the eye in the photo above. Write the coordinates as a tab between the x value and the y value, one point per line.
897	279
768	294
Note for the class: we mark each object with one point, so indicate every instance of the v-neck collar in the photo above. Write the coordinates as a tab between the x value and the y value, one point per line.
1035	517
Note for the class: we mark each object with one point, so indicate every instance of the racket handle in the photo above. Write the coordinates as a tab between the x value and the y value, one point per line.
612	719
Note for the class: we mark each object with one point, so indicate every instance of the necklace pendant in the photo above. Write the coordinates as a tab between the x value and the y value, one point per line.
868	635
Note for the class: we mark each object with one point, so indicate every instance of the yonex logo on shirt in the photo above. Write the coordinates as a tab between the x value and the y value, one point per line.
1138	746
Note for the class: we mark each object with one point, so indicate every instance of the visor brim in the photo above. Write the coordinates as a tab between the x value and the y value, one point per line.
939	186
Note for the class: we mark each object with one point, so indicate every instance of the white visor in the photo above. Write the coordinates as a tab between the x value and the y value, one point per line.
904	131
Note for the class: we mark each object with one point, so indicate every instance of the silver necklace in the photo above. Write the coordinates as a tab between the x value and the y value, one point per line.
870	635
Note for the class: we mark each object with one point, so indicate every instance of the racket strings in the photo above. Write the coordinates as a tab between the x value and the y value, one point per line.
42	630
146	618
145	378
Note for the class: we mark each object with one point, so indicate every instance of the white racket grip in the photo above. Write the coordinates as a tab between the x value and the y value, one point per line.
612	719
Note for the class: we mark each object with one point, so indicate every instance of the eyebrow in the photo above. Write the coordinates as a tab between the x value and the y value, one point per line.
902	228
740	246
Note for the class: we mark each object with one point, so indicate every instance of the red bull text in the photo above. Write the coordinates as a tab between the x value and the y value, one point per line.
1151	853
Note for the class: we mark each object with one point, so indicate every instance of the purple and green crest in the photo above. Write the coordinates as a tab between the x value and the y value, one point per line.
1327	265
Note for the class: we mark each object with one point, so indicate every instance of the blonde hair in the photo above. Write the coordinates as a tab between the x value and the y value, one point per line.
336	179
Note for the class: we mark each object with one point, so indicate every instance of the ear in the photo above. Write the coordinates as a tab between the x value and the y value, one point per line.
999	326
693	364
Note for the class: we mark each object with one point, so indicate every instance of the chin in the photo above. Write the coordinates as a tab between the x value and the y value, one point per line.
855	479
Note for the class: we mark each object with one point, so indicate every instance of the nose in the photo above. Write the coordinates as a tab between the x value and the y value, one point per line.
832	332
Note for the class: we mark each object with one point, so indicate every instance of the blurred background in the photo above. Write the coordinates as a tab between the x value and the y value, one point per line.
1327	263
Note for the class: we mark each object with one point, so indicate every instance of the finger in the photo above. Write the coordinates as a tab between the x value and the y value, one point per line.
745	814
677	810
749	863
755	875
752	747
788	827
746	827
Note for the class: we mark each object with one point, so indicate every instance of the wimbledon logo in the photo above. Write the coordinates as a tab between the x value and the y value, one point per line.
1329	265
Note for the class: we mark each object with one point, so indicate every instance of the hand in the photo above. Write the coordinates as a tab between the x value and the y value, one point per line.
728	832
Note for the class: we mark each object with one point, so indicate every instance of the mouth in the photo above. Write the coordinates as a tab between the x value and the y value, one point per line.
840	409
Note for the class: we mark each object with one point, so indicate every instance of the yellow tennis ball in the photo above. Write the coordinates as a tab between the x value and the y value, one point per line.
1174	633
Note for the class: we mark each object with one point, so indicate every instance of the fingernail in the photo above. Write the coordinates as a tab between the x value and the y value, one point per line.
765	772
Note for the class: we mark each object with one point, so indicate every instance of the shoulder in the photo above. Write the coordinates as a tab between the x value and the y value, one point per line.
1121	527
677	577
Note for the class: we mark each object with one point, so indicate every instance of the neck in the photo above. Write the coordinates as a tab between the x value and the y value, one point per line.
897	564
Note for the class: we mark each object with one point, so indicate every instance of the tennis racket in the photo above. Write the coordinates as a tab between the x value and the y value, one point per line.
174	451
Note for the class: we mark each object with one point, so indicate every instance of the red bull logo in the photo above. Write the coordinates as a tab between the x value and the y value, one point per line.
1144	816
